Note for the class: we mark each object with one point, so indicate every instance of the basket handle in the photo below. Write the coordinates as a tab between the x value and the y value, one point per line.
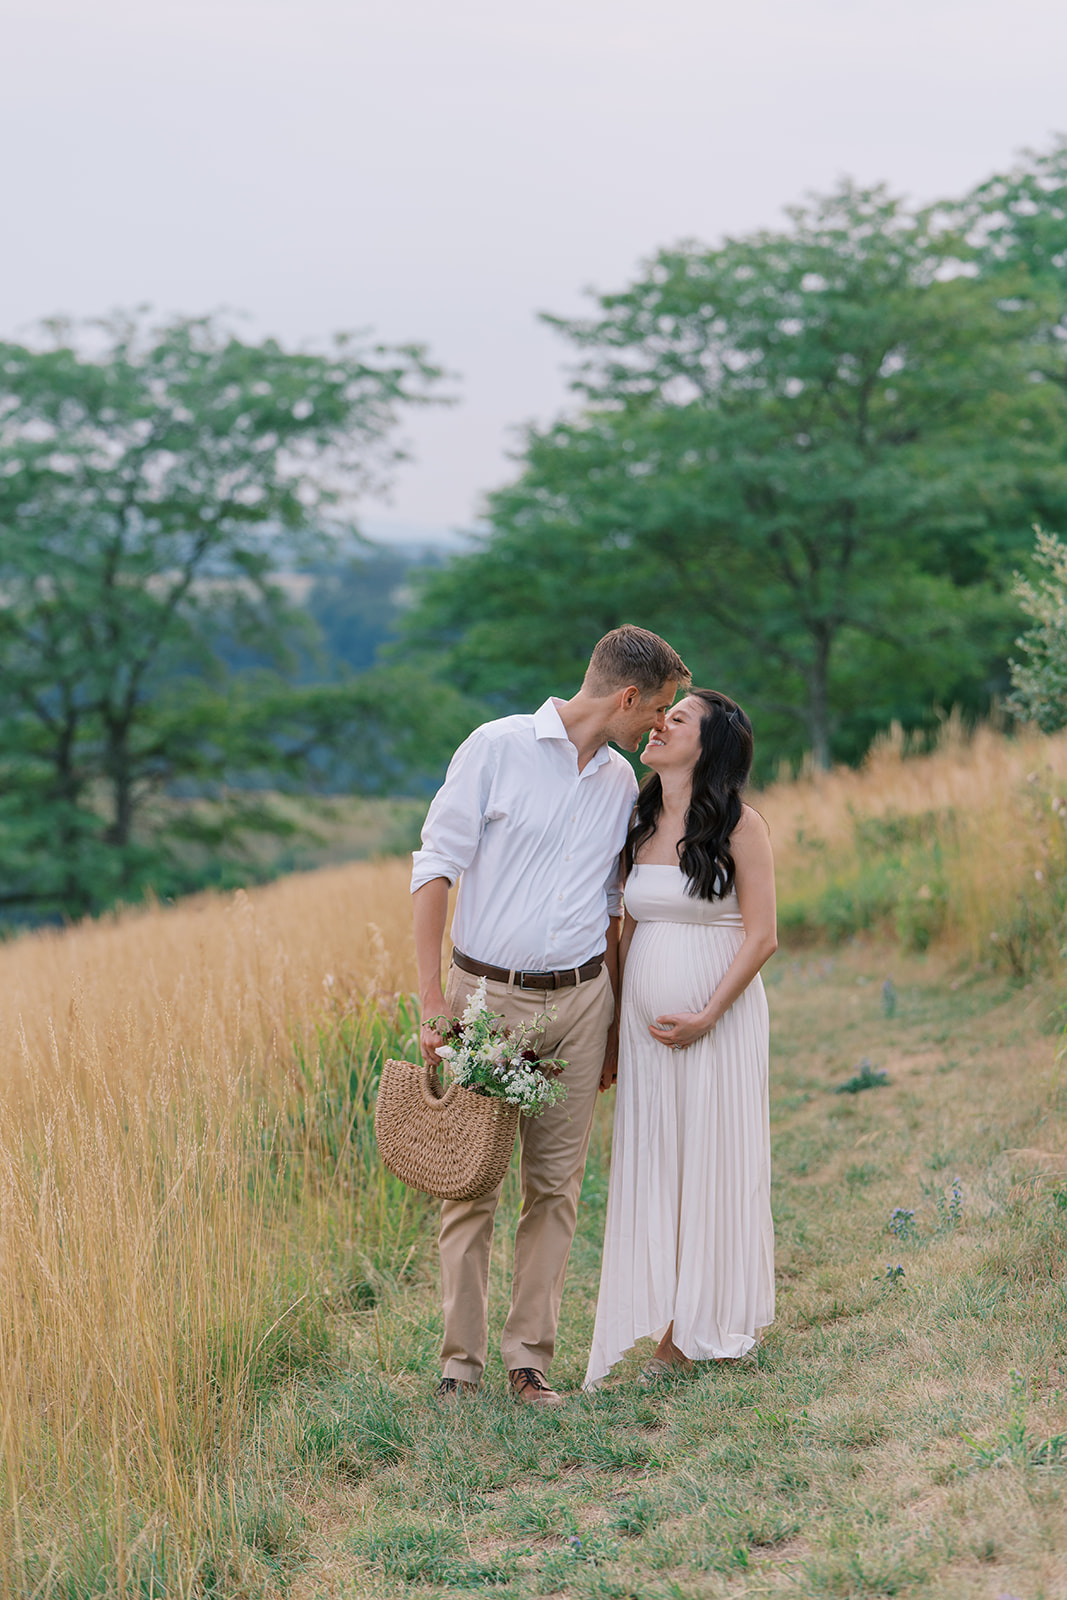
432	1088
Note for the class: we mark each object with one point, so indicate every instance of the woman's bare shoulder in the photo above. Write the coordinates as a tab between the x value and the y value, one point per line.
750	820
750	841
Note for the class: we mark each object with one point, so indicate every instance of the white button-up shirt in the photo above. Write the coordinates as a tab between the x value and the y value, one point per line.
534	842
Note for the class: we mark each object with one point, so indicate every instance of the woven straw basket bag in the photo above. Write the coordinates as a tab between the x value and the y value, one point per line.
450	1142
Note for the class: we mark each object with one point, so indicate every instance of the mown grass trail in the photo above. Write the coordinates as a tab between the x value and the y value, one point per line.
905	1429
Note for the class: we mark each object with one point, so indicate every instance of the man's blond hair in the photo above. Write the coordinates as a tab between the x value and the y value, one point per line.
631	655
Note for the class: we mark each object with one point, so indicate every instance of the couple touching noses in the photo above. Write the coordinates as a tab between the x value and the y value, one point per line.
542	824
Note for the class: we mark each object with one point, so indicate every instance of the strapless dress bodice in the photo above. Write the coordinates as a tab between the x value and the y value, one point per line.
661	894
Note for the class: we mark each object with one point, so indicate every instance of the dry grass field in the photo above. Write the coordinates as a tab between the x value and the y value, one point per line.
218	1319
965	848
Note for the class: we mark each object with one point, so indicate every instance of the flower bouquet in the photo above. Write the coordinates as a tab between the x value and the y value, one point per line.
455	1142
490	1059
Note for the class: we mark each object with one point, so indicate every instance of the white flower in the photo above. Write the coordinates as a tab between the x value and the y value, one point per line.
476	1005
488	1058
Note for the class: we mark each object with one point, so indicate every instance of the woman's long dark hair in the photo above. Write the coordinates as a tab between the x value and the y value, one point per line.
719	775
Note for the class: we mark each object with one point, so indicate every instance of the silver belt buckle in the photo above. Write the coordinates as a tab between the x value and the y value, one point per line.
529	973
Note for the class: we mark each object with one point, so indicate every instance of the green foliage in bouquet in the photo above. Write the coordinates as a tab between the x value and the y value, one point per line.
490	1059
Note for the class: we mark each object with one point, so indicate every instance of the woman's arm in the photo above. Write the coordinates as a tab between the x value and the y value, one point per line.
754	865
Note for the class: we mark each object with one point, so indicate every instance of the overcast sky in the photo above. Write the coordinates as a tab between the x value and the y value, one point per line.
442	170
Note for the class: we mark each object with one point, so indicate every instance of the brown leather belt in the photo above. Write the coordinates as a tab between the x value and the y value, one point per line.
567	979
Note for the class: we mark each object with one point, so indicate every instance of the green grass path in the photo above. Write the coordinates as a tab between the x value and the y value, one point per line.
903	1432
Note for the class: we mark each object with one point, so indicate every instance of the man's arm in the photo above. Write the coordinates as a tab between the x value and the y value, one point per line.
429	906
450	838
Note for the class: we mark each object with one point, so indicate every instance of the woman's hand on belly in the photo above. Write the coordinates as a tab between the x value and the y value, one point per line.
677	1029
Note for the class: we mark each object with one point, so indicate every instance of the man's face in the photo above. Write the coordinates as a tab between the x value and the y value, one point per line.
638	715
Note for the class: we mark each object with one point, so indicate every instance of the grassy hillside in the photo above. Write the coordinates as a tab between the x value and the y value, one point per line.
218	1317
965	848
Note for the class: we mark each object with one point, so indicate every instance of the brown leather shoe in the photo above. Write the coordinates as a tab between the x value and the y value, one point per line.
529	1386
455	1389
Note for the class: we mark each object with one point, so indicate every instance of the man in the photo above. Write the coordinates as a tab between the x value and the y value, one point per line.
531	819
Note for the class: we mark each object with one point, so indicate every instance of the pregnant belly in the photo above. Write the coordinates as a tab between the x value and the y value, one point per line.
674	966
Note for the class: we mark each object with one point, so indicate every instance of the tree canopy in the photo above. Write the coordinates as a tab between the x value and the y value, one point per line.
809	457
154	483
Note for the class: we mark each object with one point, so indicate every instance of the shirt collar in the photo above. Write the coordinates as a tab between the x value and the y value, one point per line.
548	724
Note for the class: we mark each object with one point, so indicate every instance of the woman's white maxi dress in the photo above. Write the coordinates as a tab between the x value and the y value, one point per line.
689	1235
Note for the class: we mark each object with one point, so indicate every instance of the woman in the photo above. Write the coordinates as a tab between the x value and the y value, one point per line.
689	1247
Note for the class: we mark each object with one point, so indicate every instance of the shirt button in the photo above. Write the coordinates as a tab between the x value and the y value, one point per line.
566	858
561	897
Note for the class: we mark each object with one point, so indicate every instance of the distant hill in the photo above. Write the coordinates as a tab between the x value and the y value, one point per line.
357	603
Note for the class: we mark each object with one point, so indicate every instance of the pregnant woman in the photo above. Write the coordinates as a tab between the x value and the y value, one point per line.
689	1247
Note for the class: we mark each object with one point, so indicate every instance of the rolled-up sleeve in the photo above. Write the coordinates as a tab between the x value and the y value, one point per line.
613	889
456	816
616	878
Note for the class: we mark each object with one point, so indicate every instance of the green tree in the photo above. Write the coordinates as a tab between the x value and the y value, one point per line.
791	460
1017	226
1040	681
155	481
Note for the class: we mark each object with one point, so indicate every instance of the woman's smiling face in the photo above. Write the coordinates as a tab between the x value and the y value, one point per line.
676	746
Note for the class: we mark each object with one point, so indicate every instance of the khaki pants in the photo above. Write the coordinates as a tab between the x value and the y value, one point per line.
553	1149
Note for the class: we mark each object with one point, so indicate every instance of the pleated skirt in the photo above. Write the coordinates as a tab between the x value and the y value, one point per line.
689	1236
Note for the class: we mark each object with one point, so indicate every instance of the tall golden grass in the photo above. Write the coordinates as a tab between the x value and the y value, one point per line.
219	980
161	1211
185	1151
965	847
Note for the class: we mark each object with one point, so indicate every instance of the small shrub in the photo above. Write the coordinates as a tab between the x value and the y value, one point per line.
1040	683
950	1206
856	905
902	1223
865	1077
920	912
893	831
